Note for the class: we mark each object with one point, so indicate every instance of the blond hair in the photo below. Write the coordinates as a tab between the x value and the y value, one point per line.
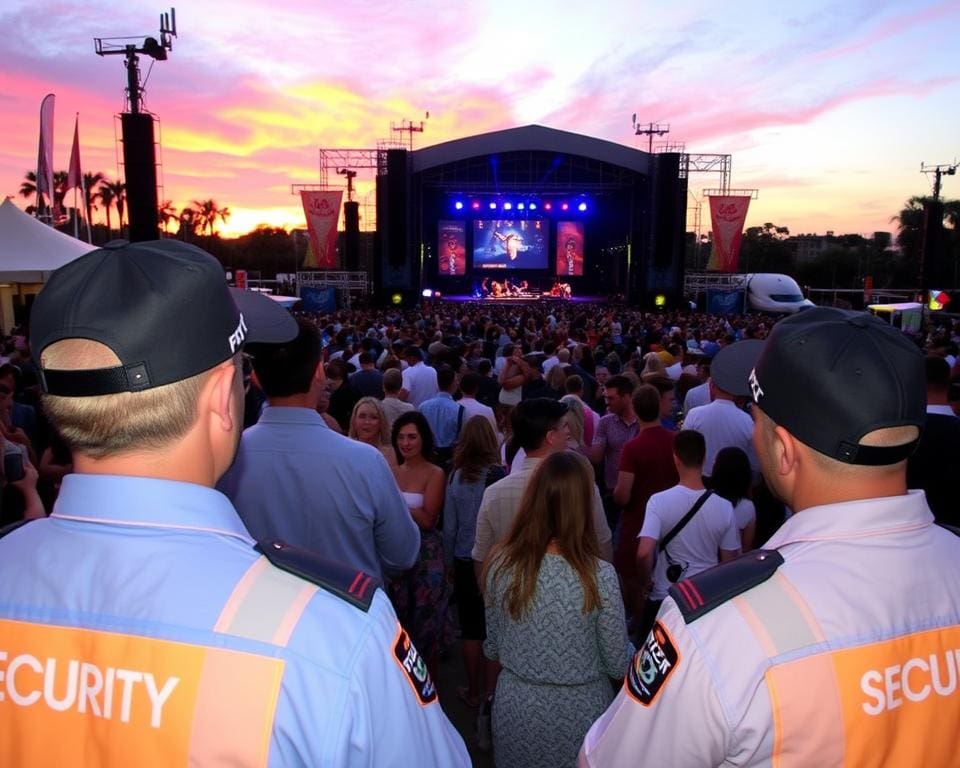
105	425
384	428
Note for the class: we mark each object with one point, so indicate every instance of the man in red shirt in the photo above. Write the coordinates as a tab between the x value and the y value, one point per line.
646	468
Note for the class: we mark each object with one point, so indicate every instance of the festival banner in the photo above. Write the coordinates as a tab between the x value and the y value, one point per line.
452	239
727	215
45	152
322	210
570	248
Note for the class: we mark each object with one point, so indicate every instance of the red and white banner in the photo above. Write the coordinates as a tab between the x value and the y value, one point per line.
322	210
727	216
74	174
45	153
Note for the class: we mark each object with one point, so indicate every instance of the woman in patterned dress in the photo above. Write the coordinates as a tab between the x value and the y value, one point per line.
555	621
420	595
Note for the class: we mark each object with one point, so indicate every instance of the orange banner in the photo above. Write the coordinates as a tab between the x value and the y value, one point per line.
73	696
727	216
322	210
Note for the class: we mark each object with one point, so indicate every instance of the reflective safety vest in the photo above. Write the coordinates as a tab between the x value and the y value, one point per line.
75	696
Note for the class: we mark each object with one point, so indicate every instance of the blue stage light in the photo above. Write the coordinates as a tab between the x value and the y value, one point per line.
458	205
520	206
508	206
533	206
493	206
582	207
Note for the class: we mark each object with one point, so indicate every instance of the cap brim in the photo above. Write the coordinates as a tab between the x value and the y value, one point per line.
267	322
731	366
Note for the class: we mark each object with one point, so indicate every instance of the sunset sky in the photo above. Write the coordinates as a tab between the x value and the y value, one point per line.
828	109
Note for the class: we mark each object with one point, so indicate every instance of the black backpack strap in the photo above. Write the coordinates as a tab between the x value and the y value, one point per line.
952	528
13	526
684	520
356	587
460	419
710	589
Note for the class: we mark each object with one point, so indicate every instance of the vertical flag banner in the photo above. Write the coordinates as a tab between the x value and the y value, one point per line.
45	153
74	175
570	248
727	216
452	247
75	180
322	210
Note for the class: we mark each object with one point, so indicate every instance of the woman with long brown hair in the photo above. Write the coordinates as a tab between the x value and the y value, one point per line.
476	465
555	620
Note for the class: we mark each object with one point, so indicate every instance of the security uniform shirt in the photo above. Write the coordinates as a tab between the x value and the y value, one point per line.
138	626
849	655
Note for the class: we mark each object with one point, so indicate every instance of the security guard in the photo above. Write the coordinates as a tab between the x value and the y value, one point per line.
839	643
140	624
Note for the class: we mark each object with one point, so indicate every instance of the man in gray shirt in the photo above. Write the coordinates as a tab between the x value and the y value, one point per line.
296	480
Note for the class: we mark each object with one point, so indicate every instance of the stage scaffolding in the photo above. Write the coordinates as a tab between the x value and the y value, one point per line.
348	285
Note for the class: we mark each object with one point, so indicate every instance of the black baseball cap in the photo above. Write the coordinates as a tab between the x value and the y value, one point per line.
731	366
830	376
163	307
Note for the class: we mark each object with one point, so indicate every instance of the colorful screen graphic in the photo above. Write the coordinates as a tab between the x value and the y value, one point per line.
570	248
452	248
509	244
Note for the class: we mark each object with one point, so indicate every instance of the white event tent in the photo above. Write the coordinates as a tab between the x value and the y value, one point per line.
29	251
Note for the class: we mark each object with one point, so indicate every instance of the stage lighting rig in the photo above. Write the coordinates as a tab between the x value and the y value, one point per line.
939	171
650	130
129	48
351	175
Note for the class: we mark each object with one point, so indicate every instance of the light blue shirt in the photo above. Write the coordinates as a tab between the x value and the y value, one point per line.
442	414
297	480
159	559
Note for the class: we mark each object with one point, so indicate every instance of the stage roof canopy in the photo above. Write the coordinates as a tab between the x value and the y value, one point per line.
531	138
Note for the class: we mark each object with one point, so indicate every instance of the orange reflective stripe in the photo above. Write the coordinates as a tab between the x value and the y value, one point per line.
235	708
72	696
808	720
265	605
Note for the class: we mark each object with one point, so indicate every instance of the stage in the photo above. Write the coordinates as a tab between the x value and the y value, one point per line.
529	299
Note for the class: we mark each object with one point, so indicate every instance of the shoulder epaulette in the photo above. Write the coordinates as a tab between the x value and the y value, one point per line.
13	526
356	587
709	589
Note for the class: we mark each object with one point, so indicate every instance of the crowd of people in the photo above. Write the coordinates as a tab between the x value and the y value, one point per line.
533	486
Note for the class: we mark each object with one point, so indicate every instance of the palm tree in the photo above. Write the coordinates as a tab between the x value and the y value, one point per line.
105	196
189	222
90	180
208	211
28	189
119	190
167	213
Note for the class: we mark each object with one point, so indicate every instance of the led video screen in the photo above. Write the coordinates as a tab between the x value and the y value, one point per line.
505	244
451	248
570	248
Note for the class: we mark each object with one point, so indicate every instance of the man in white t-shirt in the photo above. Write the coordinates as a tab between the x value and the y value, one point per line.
419	380
694	548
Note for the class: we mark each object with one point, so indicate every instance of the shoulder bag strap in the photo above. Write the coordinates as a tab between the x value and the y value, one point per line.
686	519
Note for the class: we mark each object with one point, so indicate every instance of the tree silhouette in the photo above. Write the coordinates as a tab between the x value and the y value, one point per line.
167	214
90	182
118	196
105	196
208	211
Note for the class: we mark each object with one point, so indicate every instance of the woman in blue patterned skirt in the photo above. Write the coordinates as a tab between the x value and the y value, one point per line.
555	621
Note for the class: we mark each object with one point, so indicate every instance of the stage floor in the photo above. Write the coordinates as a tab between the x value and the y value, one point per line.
525	299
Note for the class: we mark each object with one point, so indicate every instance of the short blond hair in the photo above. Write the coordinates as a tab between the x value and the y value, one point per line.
105	425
